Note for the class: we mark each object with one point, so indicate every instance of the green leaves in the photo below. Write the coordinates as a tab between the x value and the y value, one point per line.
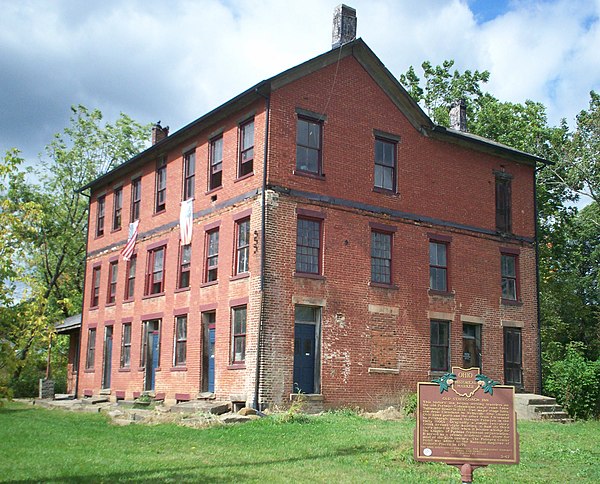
445	381
486	383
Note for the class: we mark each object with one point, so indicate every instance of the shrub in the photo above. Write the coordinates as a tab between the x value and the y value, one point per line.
575	383
408	403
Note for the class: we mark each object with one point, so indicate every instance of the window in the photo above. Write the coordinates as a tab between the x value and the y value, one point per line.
308	246
161	185
185	258
95	287
189	174
509	268
242	245
239	334
91	349
126	346
246	155
385	164
308	146
216	164
503	203
440	344
101	205
471	345
130	285
180	340
212	255
136	198
155	281
438	266
113	274
117	207
381	257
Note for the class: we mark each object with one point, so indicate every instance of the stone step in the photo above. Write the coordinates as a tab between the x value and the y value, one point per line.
214	407
554	415
547	408
94	400
542	401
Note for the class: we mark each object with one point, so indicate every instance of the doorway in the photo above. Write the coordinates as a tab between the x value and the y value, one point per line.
513	365
150	352
208	352
107	364
307	360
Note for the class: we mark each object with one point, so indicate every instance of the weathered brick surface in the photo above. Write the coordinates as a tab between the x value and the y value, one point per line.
374	341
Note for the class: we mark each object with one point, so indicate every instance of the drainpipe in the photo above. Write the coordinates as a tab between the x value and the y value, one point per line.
89	197
263	238
537	277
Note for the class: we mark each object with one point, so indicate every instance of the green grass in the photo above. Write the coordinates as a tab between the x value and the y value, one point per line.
57	446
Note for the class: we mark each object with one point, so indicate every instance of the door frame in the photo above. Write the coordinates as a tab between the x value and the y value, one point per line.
317	350
207	325
516	331
150	327
107	353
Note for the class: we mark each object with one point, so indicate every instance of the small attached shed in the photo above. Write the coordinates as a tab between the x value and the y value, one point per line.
71	327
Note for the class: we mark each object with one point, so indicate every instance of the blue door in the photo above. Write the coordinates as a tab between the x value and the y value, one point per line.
211	359
107	370
152	360
304	358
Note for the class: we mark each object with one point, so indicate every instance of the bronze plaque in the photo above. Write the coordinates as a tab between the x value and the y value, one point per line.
465	416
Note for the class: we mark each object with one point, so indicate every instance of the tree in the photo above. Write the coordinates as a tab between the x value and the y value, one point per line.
53	261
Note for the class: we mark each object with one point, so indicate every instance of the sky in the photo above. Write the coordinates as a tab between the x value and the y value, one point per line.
175	60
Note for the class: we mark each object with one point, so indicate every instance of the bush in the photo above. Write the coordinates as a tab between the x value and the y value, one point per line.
575	383
408	403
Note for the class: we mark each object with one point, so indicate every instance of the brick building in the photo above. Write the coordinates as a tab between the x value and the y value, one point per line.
342	246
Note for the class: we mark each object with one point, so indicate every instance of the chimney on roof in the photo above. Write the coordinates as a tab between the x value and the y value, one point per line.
458	115
159	133
344	25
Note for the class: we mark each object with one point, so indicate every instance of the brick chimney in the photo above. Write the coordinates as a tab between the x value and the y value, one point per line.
458	115
344	25
159	133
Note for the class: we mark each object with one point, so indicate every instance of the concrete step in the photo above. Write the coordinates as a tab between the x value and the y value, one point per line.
547	408
212	406
542	401
554	415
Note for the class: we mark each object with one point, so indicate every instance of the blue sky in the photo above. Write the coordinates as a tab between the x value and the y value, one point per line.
174	61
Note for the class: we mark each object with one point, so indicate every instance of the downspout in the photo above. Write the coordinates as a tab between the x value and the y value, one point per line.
83	295
537	278
263	238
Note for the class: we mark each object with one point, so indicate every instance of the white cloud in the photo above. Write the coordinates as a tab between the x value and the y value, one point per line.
176	60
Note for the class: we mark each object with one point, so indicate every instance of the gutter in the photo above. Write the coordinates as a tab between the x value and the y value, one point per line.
83	295
263	237
537	277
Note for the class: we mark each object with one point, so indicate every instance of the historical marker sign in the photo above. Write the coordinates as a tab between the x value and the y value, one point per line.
465	417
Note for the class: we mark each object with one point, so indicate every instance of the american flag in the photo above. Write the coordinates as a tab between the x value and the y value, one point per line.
186	221
127	251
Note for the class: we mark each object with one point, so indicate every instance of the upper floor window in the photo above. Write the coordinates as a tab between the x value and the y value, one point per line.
215	176
381	257
189	174
242	245
385	164
308	246
185	259
246	155
161	185
503	202
509	269
113	274
179	357
155	271
117	207
91	349
130	283
101	206
126	346
308	146
239	334
95	300
212	255
438	266
136	198
440	345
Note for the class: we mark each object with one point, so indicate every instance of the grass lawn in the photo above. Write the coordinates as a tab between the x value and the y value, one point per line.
58	446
